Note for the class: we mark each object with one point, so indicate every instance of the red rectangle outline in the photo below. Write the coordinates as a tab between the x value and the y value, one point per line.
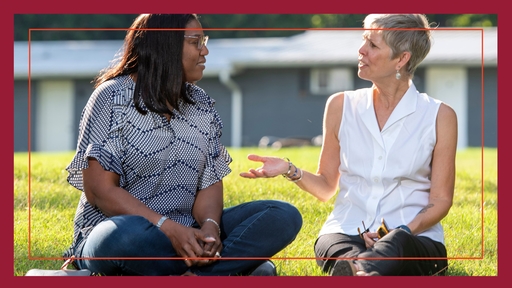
30	257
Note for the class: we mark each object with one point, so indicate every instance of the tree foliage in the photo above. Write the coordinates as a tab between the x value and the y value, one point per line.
113	26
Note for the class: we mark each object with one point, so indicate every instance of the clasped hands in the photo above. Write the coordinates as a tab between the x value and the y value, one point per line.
199	247
370	238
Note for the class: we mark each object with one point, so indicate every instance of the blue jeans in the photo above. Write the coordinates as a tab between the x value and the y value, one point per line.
253	229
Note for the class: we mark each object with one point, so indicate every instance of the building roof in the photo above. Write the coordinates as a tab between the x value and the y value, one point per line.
461	46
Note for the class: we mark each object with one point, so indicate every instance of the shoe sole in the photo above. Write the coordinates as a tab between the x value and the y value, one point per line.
343	268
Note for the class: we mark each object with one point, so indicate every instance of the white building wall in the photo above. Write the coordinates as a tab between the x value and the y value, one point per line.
55	114
449	84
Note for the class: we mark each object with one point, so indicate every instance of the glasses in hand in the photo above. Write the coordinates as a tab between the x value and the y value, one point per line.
366	230
381	231
201	40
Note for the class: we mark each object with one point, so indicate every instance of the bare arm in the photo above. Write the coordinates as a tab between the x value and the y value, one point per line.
102	190
209	204
443	172
323	184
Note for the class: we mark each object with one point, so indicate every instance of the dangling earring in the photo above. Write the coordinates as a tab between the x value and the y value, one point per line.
397	75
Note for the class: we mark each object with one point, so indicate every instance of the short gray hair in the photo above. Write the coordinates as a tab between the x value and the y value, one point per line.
403	32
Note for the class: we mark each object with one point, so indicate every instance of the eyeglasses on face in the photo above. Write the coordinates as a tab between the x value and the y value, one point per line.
202	40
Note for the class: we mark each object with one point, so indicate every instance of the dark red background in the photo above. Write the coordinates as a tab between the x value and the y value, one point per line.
239	7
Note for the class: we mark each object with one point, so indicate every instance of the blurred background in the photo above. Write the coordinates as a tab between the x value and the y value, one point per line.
269	74
24	22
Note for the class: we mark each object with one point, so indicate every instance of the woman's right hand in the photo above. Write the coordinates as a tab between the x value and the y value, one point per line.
271	167
212	245
185	241
370	238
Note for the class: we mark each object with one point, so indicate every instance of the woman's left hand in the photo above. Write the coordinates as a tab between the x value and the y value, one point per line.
212	246
370	238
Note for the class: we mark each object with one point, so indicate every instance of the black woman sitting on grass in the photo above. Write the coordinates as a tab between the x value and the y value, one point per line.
150	164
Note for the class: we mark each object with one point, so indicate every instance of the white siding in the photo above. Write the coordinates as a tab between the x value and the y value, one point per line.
449	84
55	117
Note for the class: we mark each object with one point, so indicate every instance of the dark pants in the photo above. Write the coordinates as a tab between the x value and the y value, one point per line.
391	254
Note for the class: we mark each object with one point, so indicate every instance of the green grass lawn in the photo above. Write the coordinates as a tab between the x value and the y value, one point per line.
471	241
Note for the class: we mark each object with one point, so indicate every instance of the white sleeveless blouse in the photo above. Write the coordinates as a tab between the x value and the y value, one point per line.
384	174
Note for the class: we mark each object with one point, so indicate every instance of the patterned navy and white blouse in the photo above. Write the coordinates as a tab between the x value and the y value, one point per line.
162	163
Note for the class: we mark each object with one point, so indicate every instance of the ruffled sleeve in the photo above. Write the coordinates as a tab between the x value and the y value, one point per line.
218	158
100	133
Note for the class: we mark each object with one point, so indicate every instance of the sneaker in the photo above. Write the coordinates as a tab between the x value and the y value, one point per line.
343	268
266	269
348	268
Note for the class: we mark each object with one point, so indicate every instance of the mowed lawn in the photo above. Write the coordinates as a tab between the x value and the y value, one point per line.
43	225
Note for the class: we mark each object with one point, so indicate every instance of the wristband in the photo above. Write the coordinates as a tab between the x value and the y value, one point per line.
298	179
214	222
405	228
295	174
285	175
161	221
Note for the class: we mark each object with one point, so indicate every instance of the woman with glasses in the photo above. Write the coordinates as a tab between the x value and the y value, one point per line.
150	164
389	152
